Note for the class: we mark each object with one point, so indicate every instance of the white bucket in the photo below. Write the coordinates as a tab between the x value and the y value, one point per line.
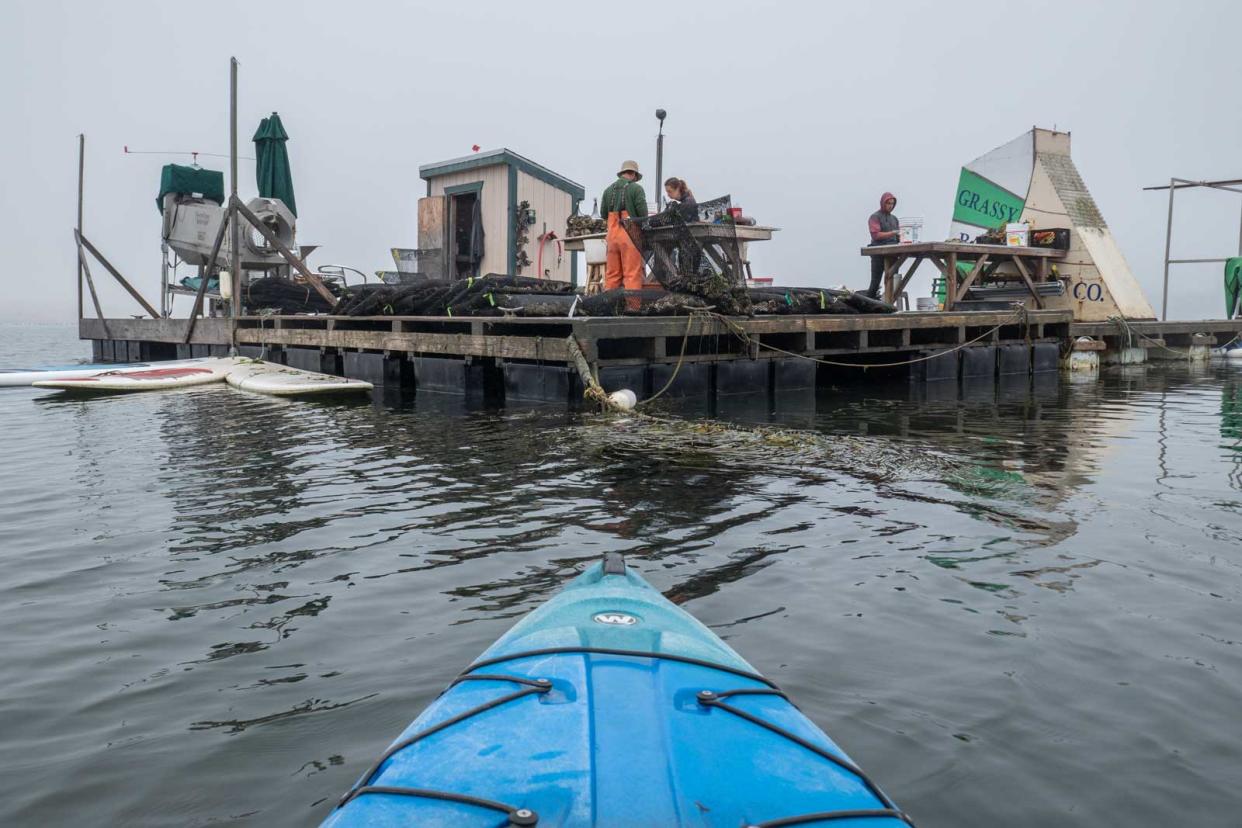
1017	235
596	251
925	303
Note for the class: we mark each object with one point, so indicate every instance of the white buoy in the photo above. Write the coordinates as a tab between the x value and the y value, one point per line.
625	399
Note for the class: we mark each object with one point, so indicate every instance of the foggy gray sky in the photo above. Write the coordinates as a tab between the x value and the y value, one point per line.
803	112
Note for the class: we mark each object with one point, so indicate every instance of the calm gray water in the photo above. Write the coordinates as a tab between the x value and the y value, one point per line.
1020	611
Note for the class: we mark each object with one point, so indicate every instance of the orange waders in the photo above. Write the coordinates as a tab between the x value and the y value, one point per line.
625	261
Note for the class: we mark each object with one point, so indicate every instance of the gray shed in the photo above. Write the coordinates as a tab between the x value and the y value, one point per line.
467	222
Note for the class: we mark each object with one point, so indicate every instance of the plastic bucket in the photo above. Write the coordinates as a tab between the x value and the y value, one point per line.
911	229
596	251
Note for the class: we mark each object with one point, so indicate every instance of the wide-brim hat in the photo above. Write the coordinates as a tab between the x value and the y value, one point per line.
631	166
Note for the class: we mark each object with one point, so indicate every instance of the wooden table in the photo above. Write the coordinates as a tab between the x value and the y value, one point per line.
722	244
1030	262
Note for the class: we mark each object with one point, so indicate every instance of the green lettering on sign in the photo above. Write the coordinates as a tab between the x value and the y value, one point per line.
983	204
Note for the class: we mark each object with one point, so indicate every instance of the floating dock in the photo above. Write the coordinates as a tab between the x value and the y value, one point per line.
507	359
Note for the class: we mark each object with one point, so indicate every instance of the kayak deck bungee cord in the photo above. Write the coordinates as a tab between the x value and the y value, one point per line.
611	706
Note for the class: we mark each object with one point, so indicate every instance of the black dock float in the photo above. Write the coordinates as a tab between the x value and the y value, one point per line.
310	359
978	361
536	382
1013	359
1045	357
935	366
743	376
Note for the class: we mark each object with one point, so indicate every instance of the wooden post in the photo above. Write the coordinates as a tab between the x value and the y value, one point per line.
905	280
288	256
90	283
950	275
234	226
82	240
970	277
1026	277
891	266
81	178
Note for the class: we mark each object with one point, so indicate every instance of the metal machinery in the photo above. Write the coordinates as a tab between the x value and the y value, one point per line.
190	227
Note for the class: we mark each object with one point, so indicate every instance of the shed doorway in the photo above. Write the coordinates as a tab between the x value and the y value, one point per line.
466	232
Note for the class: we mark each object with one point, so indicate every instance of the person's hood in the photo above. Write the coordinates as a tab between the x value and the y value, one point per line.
885	198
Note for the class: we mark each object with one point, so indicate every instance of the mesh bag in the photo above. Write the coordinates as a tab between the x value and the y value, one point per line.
700	258
284	296
491	295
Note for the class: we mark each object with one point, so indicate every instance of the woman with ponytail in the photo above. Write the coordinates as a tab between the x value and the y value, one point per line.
681	200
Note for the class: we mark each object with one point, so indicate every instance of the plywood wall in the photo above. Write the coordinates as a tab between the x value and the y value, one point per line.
552	207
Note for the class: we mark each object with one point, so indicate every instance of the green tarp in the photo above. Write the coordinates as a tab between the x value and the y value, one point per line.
1233	285
175	178
272	167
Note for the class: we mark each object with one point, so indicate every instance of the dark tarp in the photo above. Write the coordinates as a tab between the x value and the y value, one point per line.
175	178
476	236
272	168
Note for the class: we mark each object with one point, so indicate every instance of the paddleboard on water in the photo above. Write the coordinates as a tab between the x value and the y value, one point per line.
611	706
151	378
29	376
280	380
25	376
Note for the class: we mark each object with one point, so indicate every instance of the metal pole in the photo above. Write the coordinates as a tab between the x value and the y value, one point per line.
659	185
164	279
81	175
660	160
1168	242
234	226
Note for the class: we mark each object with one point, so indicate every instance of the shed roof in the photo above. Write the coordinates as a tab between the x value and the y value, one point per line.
509	158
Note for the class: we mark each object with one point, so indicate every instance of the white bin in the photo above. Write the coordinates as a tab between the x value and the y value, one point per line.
596	251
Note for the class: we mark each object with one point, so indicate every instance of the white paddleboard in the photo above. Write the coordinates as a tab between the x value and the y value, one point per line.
25	376
283	381
29	376
151	378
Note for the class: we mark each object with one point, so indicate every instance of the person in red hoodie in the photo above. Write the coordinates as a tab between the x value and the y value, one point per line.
884	229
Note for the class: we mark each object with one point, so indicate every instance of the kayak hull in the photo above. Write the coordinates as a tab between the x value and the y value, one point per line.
610	706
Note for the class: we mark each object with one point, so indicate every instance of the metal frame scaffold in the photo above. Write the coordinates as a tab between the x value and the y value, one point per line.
1175	184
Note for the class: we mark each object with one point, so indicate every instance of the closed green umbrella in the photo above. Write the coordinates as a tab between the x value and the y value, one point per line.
1233	285
275	180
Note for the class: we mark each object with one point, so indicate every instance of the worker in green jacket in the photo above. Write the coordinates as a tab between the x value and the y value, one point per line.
624	199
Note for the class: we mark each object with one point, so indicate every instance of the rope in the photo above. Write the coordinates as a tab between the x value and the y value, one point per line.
1124	325
592	390
595	392
1019	315
685	339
